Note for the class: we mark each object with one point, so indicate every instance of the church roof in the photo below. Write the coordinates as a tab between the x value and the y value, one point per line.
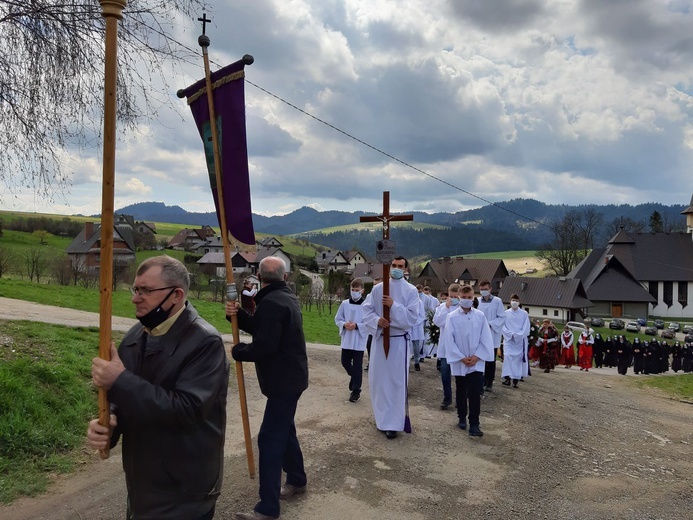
566	293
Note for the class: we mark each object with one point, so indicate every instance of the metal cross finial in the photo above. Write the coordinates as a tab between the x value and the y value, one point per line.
204	21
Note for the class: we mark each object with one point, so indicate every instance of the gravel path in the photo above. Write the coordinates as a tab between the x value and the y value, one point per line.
565	445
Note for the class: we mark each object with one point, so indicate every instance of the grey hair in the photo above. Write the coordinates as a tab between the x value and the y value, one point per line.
272	269
173	271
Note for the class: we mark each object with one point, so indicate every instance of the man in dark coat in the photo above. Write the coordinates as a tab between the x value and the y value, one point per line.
278	350
167	385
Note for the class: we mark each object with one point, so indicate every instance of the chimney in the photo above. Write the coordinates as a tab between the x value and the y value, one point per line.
88	230
523	286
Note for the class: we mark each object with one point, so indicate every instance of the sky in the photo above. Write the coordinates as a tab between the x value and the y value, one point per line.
563	101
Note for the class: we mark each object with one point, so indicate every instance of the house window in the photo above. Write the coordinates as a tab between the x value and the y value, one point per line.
555	314
544	312
668	293
654	291
683	294
527	309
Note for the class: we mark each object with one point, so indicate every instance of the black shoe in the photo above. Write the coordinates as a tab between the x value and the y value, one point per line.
506	382
462	425
354	396
474	431
515	385
445	404
417	367
488	388
390	434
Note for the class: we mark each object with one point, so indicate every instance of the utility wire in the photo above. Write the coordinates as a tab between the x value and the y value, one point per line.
360	141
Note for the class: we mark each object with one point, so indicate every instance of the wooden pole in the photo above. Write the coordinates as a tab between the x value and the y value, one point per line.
112	10
232	294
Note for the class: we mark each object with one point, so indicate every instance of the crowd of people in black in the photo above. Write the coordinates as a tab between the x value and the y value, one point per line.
645	357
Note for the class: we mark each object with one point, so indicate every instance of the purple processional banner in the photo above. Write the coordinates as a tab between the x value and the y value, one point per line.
228	88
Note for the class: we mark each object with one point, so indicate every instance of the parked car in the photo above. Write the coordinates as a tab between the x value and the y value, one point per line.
616	324
576	325
687	329
689	338
642	322
668	334
659	324
651	330
597	322
633	326
675	326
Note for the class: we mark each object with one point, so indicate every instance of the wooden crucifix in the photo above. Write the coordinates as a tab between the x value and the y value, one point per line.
386	218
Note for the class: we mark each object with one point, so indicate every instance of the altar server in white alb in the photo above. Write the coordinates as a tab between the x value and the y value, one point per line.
494	310
388	377
468	346
515	332
353	338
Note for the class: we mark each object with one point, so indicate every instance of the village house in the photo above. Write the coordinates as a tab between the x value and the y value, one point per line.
187	239
439	274
560	299
84	252
331	261
242	263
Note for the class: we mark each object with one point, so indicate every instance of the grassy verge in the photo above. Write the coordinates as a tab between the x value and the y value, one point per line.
678	386
46	399
318	323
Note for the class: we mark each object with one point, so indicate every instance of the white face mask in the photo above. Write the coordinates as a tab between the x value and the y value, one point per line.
356	295
514	304
485	293
466	303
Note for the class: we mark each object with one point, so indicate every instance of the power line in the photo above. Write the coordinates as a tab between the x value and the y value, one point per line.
361	141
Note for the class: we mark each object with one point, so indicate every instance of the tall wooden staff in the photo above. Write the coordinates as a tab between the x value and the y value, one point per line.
231	292
112	10
386	218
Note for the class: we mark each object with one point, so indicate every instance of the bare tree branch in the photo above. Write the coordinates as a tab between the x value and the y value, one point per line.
51	80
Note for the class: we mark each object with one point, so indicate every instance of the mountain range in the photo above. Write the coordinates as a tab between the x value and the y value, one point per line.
518	224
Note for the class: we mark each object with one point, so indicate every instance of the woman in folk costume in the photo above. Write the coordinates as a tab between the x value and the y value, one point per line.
585	342
548	344
567	348
515	331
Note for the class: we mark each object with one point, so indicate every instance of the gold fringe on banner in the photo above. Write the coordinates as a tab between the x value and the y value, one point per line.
229	77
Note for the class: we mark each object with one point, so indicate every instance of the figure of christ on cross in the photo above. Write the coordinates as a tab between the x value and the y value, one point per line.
386	218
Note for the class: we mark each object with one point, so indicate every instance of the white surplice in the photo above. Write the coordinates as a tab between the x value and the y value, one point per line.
388	377
515	332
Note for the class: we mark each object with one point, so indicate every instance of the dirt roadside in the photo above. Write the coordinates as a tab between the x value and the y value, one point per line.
564	445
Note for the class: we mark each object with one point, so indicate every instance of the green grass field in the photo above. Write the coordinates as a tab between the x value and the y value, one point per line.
46	399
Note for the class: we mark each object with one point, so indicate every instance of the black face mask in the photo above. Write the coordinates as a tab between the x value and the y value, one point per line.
157	316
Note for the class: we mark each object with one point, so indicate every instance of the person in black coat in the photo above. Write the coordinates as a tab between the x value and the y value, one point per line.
638	356
610	352
664	357
278	350
687	358
598	350
623	355
676	357
167	385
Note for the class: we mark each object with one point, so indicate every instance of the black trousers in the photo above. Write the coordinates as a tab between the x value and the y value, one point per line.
352	361
490	372
279	450
468	396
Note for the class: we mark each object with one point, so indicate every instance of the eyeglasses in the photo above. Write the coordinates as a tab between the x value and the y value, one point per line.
143	291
